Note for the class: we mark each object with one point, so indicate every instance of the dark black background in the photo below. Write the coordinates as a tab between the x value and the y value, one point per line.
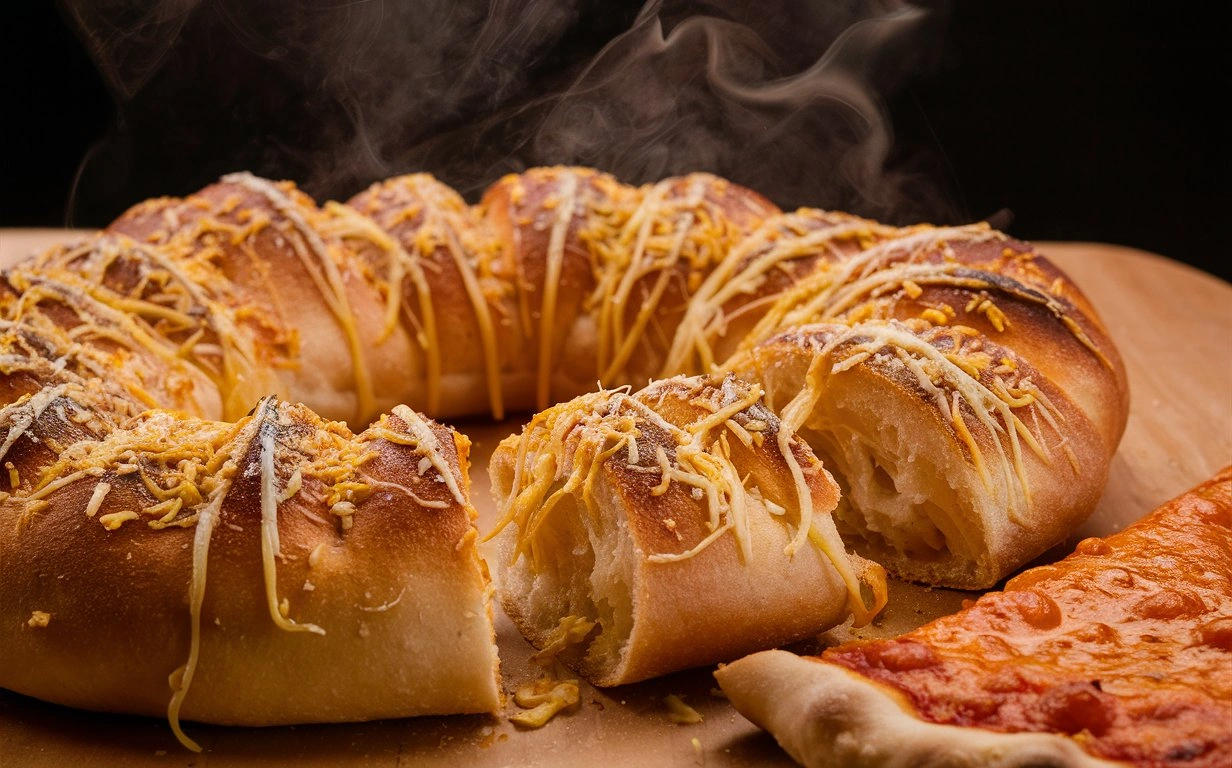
1059	120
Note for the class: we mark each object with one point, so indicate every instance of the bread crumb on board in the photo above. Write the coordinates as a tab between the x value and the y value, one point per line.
544	699
679	712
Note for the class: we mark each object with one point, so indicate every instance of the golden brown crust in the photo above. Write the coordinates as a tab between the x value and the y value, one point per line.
560	278
372	546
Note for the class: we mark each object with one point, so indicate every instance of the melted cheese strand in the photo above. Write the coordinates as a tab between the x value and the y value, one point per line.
627	342
430	447
619	270
346	222
419	500
483	317
140	307
640	264
270	548
676	557
30	409
182	678
59	482
350	221
331	287
793	417
551	285
822	531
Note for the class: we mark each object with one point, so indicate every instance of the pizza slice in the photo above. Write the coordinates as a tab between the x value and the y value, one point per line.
1120	654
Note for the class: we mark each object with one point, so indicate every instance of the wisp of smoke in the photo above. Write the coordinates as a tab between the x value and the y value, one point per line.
787	97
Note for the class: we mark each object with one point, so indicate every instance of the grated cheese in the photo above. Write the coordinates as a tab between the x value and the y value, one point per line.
679	712
544	699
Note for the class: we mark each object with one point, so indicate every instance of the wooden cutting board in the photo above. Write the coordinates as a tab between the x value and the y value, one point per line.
1173	325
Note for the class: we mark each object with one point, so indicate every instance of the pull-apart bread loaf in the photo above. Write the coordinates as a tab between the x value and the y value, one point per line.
271	568
958	387
677	526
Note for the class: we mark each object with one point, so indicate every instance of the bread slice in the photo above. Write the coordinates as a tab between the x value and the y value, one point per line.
671	528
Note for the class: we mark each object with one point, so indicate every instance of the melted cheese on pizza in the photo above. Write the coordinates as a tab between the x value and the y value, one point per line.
1125	645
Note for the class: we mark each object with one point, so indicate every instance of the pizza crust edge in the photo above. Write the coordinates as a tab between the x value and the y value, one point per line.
826	716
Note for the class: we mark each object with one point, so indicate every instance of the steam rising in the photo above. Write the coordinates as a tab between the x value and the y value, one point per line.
786	97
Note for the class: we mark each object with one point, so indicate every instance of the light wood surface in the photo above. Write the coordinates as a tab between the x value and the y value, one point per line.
1173	325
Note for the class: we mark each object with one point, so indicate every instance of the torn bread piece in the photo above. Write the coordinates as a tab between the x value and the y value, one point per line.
674	527
959	460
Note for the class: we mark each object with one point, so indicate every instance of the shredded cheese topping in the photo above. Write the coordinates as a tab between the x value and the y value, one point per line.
270	547
560	453
551	285
112	327
544	699
679	712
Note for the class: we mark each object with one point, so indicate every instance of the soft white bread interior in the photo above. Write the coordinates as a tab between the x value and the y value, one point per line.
959	387
959	460
671	528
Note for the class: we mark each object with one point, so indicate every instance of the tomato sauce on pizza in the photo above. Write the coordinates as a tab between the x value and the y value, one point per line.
1125	645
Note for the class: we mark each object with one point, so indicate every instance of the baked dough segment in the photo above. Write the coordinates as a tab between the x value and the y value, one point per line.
272	257
276	570
959	459
52	317
960	387
1117	654
646	533
600	271
443	275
